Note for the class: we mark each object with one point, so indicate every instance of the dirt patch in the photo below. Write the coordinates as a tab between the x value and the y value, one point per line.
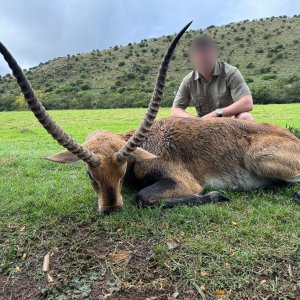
21	287
149	294
94	266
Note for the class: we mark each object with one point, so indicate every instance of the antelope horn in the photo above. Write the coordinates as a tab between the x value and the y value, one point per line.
138	137
41	114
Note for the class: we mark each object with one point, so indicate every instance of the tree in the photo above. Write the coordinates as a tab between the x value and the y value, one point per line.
20	102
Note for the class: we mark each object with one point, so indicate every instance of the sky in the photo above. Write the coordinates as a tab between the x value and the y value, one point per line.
35	31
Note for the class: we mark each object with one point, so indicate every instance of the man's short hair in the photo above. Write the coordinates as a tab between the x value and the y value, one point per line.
203	41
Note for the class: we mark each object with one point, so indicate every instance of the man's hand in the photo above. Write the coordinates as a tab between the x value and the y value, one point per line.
213	114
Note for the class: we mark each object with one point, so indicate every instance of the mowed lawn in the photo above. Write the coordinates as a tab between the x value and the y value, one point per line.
248	248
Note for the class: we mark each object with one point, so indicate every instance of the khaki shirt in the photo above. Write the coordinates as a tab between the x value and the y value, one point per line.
226	86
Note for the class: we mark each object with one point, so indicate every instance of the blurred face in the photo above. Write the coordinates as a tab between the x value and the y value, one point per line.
204	58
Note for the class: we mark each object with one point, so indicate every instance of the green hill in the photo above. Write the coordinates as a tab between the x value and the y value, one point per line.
266	51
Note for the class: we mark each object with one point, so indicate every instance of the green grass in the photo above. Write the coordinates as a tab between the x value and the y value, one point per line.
245	247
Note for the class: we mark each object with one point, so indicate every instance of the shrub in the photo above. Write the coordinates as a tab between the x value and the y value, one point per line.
250	65
269	76
121	90
238	38
259	50
264	70
130	76
294	131
261	93
118	83
121	63
85	87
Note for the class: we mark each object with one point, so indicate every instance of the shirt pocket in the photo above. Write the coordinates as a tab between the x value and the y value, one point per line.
223	99
202	106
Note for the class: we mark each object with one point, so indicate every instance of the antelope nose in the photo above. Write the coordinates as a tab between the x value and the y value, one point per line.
108	210
111	210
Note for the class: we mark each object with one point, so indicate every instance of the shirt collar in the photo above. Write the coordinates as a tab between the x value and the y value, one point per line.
216	71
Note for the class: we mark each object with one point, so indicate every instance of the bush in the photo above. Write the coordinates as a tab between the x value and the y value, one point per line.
250	65
261	93
294	131
269	76
130	76
238	38
259	50
264	70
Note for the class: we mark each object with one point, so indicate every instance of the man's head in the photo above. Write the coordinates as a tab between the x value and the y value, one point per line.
204	53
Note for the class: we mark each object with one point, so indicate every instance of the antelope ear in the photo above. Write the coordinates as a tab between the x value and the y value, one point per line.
65	157
141	154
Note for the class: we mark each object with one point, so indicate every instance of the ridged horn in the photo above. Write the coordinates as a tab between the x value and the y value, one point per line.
138	137
43	117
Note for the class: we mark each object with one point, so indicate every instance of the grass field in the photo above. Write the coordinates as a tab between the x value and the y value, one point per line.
248	248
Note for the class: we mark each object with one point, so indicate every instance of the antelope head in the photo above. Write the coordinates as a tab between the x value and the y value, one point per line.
106	164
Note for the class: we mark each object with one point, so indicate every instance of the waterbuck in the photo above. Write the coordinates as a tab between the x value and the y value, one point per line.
172	160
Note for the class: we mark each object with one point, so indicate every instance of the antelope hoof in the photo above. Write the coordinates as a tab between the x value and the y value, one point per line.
217	197
142	202
297	197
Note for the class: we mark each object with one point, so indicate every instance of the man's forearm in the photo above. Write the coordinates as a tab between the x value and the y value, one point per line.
245	104
180	113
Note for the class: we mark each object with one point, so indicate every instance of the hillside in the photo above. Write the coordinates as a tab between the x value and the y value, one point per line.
265	50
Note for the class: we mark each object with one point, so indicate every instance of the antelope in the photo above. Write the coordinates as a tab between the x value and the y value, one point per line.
170	161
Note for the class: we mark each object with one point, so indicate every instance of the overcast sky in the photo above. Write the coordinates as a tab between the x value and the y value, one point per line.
36	31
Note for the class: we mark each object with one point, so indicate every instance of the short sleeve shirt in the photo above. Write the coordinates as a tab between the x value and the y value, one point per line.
226	86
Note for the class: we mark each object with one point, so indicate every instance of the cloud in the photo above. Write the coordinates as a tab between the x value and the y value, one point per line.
36	31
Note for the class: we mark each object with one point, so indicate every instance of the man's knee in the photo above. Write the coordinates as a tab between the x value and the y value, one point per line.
245	116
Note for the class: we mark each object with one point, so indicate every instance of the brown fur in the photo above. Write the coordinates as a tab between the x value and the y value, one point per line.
180	156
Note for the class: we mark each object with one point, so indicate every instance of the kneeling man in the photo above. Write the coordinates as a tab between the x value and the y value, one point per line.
215	88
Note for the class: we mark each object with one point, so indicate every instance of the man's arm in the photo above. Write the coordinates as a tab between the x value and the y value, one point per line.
181	102
244	104
240	94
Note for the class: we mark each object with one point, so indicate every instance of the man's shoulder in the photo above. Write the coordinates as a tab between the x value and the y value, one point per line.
189	77
227	68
